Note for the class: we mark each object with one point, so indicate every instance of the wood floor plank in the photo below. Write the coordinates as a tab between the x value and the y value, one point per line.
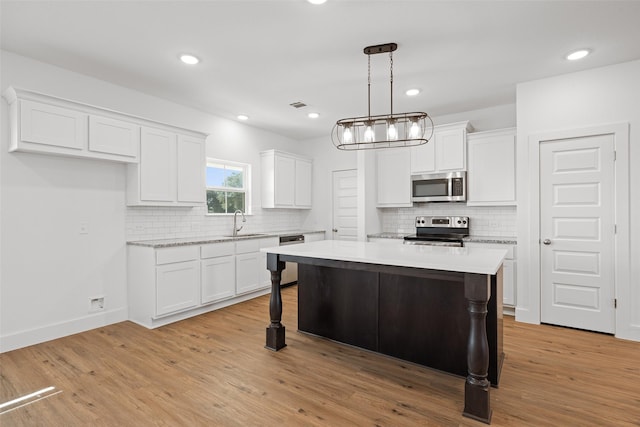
213	370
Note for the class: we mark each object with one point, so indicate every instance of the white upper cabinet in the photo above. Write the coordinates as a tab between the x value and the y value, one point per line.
445	152
286	180
303	183
170	171
157	168
49	125
284	190
52	126
491	178
113	137
393	178
191	166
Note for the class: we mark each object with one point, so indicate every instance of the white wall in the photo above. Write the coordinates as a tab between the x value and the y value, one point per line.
326	159
595	97
50	271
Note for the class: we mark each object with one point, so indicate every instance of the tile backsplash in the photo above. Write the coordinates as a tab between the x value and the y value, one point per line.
150	223
496	221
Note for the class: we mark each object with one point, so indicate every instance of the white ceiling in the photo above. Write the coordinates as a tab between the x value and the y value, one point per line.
260	56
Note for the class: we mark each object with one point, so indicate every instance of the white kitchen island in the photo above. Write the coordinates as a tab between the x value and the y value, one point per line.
436	306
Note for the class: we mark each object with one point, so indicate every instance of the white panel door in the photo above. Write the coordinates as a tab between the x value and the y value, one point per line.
285	173
157	165
345	205
190	169
577	232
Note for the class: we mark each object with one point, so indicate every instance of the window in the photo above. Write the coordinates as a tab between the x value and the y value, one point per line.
227	186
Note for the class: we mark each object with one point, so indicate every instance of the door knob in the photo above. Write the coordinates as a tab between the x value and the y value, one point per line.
546	241
335	230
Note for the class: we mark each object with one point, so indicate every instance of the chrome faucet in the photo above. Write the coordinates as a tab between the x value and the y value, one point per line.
235	226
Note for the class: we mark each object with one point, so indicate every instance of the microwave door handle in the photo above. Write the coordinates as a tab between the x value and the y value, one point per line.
449	187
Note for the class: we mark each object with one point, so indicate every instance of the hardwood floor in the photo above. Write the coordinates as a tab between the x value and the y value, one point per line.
213	370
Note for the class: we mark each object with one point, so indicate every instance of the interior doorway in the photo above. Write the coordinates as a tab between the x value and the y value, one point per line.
345	205
577	232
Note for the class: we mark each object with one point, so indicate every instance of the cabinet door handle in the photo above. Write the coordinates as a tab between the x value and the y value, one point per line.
335	230
546	241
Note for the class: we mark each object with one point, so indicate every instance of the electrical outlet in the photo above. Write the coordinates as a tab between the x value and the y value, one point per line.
84	228
96	304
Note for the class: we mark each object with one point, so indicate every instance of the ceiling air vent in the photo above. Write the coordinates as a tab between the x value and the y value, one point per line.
298	104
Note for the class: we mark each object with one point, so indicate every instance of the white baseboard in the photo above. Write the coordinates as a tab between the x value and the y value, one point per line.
51	332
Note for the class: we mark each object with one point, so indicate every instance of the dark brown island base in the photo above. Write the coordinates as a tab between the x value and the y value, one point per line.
447	320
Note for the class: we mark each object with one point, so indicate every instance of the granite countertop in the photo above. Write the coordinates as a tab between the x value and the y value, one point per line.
184	241
492	239
387	235
475	239
465	260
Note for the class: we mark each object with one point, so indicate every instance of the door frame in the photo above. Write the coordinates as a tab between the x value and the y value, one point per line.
333	199
622	285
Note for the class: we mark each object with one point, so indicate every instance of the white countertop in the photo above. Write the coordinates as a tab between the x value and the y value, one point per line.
464	260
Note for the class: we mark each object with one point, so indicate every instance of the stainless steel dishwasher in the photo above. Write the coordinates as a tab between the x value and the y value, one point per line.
290	272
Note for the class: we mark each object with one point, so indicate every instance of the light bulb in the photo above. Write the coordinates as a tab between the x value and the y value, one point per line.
347	136
414	130
392	131
578	54
369	133
189	59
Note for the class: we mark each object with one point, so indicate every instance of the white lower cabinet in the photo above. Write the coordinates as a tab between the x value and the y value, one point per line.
251	264
218	267
508	270
247	277
177	287
170	284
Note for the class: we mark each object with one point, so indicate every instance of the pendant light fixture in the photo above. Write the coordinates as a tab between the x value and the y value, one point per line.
382	131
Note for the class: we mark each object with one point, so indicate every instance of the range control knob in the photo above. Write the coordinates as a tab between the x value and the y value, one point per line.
459	222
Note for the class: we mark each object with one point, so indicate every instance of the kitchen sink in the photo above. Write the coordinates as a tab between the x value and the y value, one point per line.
247	235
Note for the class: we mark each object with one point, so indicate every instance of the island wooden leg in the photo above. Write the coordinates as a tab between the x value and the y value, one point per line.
275	331
477	403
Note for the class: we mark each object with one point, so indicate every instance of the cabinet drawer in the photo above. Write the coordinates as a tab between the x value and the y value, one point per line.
177	254
246	246
216	249
269	242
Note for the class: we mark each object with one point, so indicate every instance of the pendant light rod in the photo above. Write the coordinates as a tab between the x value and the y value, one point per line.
380	48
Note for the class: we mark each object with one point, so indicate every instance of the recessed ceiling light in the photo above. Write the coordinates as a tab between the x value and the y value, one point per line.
313	115
578	54
412	92
189	59
317	1
243	117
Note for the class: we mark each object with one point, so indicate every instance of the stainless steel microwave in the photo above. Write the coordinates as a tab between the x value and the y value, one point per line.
439	187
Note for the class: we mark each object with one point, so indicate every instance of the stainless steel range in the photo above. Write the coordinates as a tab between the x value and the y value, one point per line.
439	231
